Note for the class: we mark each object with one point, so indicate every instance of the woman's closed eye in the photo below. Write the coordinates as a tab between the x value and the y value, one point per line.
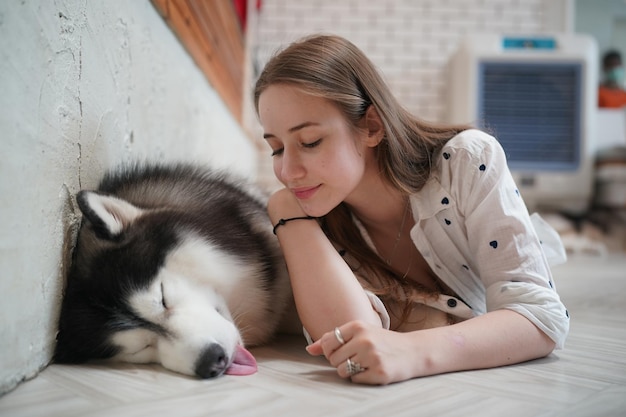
306	145
312	144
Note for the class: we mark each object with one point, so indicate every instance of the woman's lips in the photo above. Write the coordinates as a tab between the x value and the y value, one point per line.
304	192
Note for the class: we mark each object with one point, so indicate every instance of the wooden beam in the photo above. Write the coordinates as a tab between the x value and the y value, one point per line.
210	32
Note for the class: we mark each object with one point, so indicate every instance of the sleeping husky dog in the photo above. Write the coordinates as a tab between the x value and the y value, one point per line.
174	265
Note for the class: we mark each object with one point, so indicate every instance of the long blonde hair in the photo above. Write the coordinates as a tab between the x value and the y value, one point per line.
333	68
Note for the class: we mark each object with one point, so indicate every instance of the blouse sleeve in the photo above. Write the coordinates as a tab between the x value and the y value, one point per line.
501	238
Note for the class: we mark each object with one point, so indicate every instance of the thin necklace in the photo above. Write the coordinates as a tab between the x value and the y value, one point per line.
395	245
408	268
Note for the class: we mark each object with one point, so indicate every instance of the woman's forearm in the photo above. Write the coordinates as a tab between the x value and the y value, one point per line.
498	338
326	292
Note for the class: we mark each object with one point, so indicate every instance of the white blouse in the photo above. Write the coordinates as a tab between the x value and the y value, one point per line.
474	230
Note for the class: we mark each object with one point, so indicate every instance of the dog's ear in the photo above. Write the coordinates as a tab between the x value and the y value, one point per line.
108	215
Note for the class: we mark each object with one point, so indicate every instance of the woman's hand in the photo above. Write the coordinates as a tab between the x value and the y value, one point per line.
497	338
386	356
283	204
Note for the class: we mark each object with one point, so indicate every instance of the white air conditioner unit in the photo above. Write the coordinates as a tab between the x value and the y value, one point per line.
538	96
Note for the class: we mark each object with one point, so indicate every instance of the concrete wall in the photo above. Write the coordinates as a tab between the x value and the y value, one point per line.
84	85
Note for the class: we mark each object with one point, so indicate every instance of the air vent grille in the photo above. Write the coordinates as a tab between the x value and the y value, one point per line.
534	110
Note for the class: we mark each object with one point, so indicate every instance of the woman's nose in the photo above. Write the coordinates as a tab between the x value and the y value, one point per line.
291	166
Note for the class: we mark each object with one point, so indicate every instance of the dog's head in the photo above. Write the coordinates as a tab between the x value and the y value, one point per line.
144	287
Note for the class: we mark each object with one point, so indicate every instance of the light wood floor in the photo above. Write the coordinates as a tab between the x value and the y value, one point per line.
587	378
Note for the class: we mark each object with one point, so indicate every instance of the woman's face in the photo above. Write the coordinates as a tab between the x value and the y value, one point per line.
316	153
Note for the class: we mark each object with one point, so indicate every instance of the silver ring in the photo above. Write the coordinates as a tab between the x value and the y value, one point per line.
353	368
339	337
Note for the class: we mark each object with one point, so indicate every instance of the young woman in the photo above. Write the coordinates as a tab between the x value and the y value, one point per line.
409	247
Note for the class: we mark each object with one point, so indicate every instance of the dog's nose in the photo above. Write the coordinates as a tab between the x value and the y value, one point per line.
212	362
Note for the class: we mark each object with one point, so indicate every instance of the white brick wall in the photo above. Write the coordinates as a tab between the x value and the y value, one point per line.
410	41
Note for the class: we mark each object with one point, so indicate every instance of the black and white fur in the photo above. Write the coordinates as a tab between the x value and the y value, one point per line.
174	265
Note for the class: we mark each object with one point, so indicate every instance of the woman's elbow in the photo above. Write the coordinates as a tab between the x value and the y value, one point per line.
544	345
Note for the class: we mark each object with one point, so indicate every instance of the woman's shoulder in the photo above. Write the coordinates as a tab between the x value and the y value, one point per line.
469	154
472	140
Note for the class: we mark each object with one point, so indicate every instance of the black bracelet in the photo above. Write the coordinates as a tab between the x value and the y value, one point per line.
281	222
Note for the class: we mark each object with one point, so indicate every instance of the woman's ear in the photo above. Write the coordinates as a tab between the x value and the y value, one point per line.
374	127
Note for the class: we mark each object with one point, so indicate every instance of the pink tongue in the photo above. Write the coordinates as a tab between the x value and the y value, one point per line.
243	363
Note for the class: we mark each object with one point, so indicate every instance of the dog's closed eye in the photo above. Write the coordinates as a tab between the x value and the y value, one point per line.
163	303
148	346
